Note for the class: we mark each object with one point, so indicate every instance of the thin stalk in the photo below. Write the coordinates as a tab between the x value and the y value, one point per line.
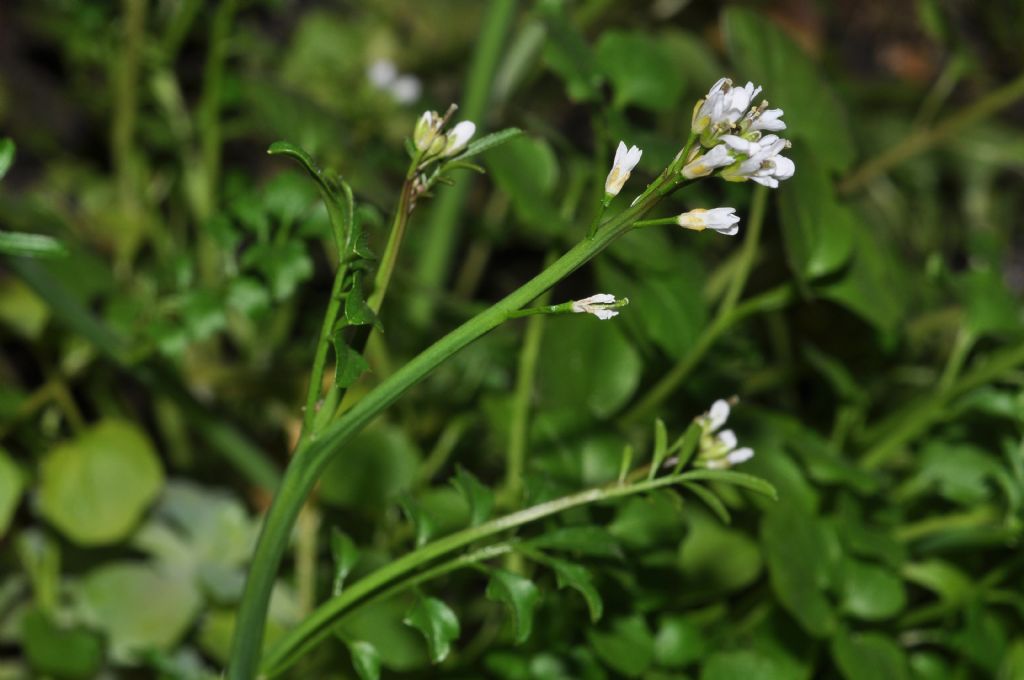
320	624
441	231
395	237
126	99
323	346
310	459
210	99
924	139
748	254
957	357
519	419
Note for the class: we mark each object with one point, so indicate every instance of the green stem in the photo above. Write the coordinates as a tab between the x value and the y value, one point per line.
438	242
310	459
519	419
126	99
210	100
320	624
748	254
923	140
395	237
323	346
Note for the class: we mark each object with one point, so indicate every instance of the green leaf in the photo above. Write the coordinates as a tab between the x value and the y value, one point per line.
990	307
740	479
284	266
489	141
349	364
422	523
21	244
870	592
138	607
627	648
57	651
868	656
7	150
567	54
379	465
717	557
521	597
526	169
679	642
747	664
952	585
593	541
357	312
96	487
640	70
711	500
345	555
763	53
660	447
479	497
438	624
12	484
365	659
686	445
569	575
795	549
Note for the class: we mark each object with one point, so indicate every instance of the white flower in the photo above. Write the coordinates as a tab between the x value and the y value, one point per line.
741	145
766	119
625	161
599	305
718	414
718	449
705	164
723	106
381	73
459	137
428	128
730	459
406	89
723	220
765	166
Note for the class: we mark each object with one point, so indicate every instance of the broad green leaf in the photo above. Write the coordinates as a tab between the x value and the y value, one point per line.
400	647
7	150
379	465
868	656
795	549
480	498
365	659
526	169
95	488
568	55
717	557
592	541
520	595
438	624
817	229
349	364
287	197
487	142
336	194
870	592
284	266
21	309
345	555
990	307
569	575
746	664
23	244
248	296
763	53
57	651
959	472
951	584
627	647
640	70
679	642
12	483
140	608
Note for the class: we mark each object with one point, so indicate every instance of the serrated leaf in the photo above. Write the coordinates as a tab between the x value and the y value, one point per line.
345	555
7	150
423	525
569	575
365	659
438	624
660	447
357	312
521	597
30	245
349	364
481	144
736	479
711	500
479	497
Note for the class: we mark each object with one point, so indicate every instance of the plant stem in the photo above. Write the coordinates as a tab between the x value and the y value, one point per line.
519	419
395	237
319	625
323	345
441	231
126	100
311	458
923	140
751	242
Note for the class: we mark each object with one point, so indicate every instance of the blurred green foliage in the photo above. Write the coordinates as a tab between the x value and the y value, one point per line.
163	282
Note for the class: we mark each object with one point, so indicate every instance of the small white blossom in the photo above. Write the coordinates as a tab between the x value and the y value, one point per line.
622	166
718	448
428	129
767	119
730	459
765	166
382	73
723	106
741	144
705	164
718	414
406	89
459	137
723	220
600	305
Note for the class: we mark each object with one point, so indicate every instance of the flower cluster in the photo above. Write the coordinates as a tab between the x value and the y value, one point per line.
404	88
717	446
730	135
431	141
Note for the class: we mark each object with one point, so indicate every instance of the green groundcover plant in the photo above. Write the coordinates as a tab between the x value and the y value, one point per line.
683	346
